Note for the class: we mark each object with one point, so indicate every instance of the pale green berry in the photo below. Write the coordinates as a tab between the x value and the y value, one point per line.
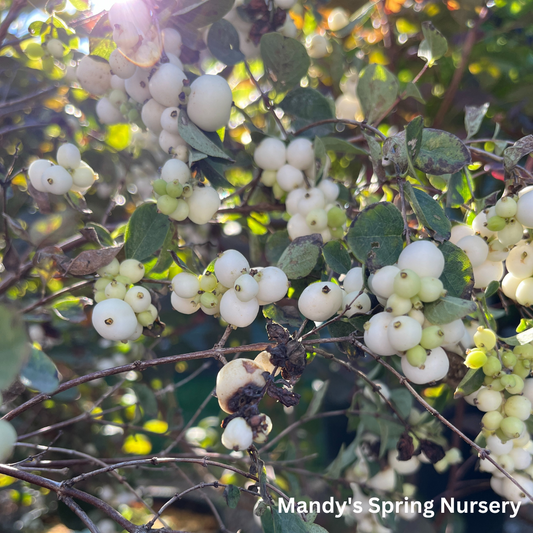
525	351
496	223
102	283
166	204
485	338
518	406
397	305
181	212
492	420
208	282
407	283
518	386
432	337
110	270
512	427
336	217
132	269
160	187
492	367
506	207
145	318
115	289
431	289
476	359
174	189
99	296
416	356
209	300
124	279
509	359
521	370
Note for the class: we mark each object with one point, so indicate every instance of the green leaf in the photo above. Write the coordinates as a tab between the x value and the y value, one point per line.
336	257
377	90
202	13
214	171
448	309
434	44
146	399
458	190
413	142
72	309
286	315
232	496
308	106
343	328
194	136
102	234
223	42
340	146
403	400
440	153
383	436
492	288
316	402
80	5
290	523
301	256
15	347
471	382
513	154
146	232
376	156
525	337
474	117
275	245
285	59
101	47
429	213
457	276
375	236
412	91
40	373
164	261
321	157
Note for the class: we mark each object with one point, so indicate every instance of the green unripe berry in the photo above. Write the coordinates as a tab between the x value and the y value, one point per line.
133	115
518	406
337	233
124	108
485	338
501	435
220	289
492	420
407	283
268	177
509	359
432	337
174	189
492	367
208	282
495	384
277	191
521	370
110	270
336	217
209	300
132	269
417	303
166	204
476	359
416	356
518	386
496	223
431	289
512	427
506	207
102	283
145	318
99	296
397	305
187	190
115	289
181	212
508	380
160	186
525	351
123	279
487	380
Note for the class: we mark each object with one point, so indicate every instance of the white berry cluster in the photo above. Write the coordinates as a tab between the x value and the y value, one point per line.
240	432
233	290
401	329
122	308
179	197
312	210
69	174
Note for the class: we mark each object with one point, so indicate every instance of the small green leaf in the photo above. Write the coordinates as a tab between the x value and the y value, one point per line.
72	309
164	261
301	256
471	382
513	154
336	257
275	246
375	236
103	235
474	117
198	14
448	309
340	146
377	90
146	399
15	347
492	289
413	142
232	495
308	106
80	5
457	276
286	315
214	171
429	213
403	400
223	42
146	232
343	328
376	156
40	373
194	136
434	44
459	192
316	402
412	91
285	59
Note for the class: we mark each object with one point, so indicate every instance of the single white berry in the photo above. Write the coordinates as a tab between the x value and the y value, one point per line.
138	332
181	212
353	281
486	273
497	447
524	212
385	481
246	287
107	113
185	285
273	284
475	248
404	468
404	333
434	369
398	306
172	144
237	435
497	251
137	86
263	360
115	289
488	400
109	271
174	169
169	120
229	266
509	286
291	202
479	224
337	19
114	319
171	41
120	65
431	289
132	269
519	263
330	190
383	281
312	199
8	437
187	306
203	204
359	303
134	11
348	107
210	101
138	298
236	375
166	85
56	180
453	332
94	75
151	113
512	233
118	83
125	35
317	46
55	48
289	178
521	458
237	313
35	173
83	176
297	227
320	301
460	231
518	406
270	154
511	492
422	257
68	156
300	153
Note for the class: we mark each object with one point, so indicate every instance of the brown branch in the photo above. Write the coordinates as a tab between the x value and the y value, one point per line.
362	125
471	38
50	297
73	506
14	10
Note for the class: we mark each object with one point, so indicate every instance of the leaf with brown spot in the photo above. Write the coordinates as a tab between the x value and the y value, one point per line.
90	261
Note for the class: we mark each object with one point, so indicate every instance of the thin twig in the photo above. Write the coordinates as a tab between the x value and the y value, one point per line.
362	125
82	515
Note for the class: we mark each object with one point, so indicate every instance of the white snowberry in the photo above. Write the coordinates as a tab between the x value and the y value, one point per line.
404	333
300	153
291	202
151	113
270	154
166	85
172	144
383	281
185	285
312	199
289	177
68	156
237	313
237	435
519	263
137	86
171	41
138	298
169	120
273	284
56	180
35	173
114	319
107	113
246	287
330	190
422	257
486	273
83	176
229	266
320	301
203	204
8	437
475	248
94	75
187	306
132	269
317	47
353	281
435	368
297	227
524	212
120	65
359	303
174	169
